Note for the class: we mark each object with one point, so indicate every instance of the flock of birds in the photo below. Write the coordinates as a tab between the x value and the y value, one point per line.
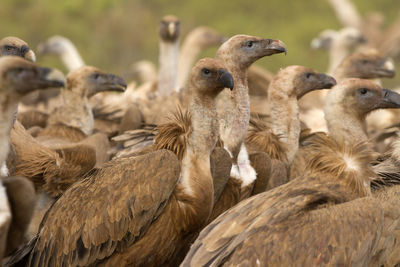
208	163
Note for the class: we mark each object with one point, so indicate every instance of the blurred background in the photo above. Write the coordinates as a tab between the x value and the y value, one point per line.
112	34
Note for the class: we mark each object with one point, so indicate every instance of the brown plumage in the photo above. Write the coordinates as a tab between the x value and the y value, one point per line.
278	136
346	107
22	198
132	221
32	118
18	77
269	228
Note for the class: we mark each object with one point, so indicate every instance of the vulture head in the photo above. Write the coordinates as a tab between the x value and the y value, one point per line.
169	28
296	81
206	37
21	76
209	77
245	49
360	97
13	46
88	81
367	65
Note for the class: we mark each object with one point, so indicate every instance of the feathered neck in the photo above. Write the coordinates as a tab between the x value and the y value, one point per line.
71	58
7	114
344	125
189	52
285	121
75	111
168	67
234	107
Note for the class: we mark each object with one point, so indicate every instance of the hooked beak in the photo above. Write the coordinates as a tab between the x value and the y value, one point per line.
27	53
390	99
322	81
274	46
386	69
51	78
47	78
226	79
113	83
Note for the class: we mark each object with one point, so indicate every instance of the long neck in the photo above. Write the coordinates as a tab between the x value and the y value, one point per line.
196	180
8	109
71	58
344	126
75	112
168	67
234	107
189	53
285	122
337	54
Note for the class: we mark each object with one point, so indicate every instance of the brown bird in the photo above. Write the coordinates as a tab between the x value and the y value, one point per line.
18	77
346	108
271	228
280	138
129	222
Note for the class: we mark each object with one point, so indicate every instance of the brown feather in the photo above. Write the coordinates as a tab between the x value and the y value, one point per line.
260	138
33	118
63	131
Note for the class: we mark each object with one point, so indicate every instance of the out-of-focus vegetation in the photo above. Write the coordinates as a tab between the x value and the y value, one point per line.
112	34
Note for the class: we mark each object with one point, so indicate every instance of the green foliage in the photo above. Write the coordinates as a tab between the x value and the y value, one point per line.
112	34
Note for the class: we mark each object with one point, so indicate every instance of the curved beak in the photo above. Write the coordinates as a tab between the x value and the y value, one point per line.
46	78
274	46
112	83
27	53
226	79
390	99
322	81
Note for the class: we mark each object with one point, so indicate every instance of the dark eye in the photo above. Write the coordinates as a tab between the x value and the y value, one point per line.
8	48
206	72
308	75
363	91
364	62
96	76
250	44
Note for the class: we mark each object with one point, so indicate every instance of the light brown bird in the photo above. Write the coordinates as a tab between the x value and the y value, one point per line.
270	228
346	108
278	137
129	222
18	77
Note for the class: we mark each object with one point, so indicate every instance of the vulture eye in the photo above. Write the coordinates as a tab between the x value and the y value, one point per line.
250	44
363	91
308	75
96	76
364	62
206	72
8	48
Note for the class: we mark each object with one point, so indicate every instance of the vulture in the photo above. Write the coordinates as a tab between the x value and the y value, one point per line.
280	138
63	48
18	77
169	32
118	216
347	105
64	151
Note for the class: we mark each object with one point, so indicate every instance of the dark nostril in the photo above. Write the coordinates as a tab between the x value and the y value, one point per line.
221	72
